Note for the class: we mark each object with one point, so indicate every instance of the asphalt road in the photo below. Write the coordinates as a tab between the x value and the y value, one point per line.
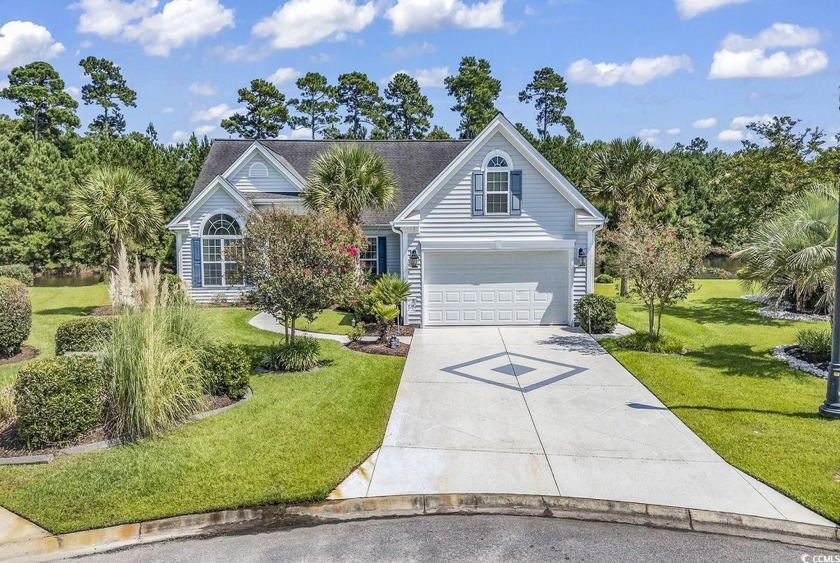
468	538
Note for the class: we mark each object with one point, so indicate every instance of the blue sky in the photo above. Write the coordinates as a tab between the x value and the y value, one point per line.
666	70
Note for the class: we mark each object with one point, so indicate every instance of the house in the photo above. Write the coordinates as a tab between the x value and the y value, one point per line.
486	231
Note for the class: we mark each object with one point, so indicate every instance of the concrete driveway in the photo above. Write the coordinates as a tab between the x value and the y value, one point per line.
545	410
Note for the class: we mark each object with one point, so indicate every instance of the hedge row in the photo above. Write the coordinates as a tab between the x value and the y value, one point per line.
85	334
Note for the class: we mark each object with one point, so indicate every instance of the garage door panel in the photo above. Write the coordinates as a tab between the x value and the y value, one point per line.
497	288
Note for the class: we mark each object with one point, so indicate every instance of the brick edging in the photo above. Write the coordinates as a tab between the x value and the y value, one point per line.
281	516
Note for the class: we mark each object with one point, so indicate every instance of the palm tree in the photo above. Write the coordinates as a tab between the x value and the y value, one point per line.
118	203
348	180
791	257
627	177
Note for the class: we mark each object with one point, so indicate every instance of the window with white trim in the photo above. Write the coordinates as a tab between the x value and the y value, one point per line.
221	251
258	170
369	257
497	186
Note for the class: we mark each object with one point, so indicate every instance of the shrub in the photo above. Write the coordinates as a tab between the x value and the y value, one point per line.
357	332
7	405
604	278
153	370
226	370
87	334
15	316
219	299
58	400
300	354
19	272
172	281
646	342
362	308
596	313
816	342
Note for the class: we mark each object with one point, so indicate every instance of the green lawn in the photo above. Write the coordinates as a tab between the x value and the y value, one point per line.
50	307
328	321
753	410
298	437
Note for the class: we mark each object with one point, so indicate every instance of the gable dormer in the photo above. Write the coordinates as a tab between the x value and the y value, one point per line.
260	171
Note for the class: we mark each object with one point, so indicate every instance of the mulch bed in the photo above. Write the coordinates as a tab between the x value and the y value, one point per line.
26	353
103	311
800	354
12	445
372	329
378	348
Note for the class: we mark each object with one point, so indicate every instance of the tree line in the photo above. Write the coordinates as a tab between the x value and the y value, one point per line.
701	192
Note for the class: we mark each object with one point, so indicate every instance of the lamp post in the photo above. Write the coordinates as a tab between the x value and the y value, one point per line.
831	407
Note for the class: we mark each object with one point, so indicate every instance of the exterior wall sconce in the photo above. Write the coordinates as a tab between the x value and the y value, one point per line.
413	259
581	258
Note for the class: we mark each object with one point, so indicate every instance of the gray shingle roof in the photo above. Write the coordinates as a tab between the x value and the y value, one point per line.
414	163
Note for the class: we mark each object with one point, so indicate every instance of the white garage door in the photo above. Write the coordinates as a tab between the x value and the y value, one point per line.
496	288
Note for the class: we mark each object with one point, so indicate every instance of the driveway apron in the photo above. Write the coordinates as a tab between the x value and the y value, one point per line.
546	410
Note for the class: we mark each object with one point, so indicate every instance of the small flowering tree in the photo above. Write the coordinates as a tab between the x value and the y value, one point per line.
661	265
298	265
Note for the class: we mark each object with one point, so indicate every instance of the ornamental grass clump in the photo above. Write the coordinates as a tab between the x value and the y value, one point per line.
300	354
816	342
153	360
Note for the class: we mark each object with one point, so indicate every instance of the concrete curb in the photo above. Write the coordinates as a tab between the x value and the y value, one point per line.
331	511
105	444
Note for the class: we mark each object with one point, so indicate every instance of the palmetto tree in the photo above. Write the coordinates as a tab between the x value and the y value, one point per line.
627	177
791	257
118	203
349	179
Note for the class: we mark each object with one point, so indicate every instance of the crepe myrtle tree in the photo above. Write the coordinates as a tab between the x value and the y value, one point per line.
299	265
661	266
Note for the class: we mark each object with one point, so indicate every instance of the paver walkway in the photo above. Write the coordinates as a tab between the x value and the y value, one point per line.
546	410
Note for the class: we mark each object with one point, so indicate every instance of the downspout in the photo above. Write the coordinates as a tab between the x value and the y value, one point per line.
403	267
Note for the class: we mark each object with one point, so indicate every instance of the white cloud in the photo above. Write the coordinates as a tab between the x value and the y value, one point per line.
747	57
202	89
215	113
731	135
705	123
179	136
168	109
204	130
742	121
298	23
178	22
673	131
777	35
320	58
4	84
75	93
639	71
412	16
284	75
649	135
692	8
299	133
23	42
426	77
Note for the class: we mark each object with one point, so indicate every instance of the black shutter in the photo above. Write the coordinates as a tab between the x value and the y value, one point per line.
196	261
382	257
516	192
478	193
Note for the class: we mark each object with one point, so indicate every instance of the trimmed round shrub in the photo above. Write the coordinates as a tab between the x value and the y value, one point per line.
57	400
301	354
596	313
604	278
15	316
646	342
19	272
87	334
226	370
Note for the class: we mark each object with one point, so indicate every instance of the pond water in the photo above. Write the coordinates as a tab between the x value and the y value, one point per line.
70	280
716	262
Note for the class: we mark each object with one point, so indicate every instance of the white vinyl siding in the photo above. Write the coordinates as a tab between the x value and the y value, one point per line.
273	181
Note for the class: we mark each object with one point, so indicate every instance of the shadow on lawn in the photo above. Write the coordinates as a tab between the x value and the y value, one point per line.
807	415
743	360
76	311
724	310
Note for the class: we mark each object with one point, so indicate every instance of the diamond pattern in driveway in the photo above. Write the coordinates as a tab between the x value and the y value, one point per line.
545	410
